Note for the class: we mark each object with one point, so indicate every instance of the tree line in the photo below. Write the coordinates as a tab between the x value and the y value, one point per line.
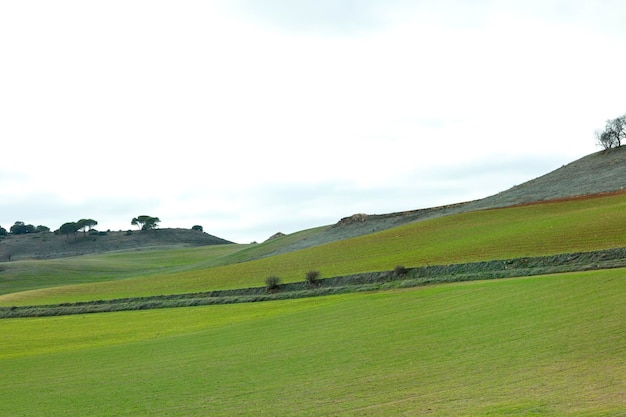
20	228
144	222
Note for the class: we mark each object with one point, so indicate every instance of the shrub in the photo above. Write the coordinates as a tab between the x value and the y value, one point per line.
272	283
313	277
400	270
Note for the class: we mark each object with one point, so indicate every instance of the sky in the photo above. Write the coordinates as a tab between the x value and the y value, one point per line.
251	117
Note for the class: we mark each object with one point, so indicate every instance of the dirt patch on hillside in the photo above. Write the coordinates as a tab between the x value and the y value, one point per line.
573	198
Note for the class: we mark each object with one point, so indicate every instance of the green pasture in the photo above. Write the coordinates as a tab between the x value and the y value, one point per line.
539	346
29	275
542	229
33	274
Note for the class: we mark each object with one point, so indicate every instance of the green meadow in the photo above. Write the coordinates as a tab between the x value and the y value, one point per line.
538	346
534	230
552	345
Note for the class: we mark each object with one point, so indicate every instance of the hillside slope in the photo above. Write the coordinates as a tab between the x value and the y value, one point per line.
600	172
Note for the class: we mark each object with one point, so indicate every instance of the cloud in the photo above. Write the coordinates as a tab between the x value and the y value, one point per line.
322	17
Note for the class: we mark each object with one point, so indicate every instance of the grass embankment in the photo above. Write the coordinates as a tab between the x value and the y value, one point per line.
535	230
550	345
401	277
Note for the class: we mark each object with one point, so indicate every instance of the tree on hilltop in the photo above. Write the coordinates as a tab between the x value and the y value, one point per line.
20	228
69	228
613	134
145	222
86	224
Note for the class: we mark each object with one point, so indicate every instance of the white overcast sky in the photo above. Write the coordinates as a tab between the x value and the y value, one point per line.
250	117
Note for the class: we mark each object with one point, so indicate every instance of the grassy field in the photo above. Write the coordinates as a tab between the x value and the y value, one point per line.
33	274
540	346
542	229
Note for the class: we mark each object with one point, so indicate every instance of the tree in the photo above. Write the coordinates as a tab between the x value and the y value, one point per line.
69	228
145	222
613	134
604	139
86	224
41	229
272	283
313	277
19	228
197	228
400	270
3	231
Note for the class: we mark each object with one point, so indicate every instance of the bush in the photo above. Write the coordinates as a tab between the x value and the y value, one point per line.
313	277
400	271
272	283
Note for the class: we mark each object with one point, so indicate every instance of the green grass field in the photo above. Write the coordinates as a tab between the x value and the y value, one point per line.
34	274
543	229
540	346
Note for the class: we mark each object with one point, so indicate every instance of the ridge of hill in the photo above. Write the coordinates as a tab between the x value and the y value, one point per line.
47	245
596	173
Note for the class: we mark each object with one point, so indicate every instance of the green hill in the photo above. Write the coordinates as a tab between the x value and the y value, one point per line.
548	345
582	224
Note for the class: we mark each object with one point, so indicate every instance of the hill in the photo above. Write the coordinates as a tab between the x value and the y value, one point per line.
543	346
600	172
597	173
48	245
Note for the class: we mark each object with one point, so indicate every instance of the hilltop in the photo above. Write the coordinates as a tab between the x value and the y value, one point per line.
48	245
597	173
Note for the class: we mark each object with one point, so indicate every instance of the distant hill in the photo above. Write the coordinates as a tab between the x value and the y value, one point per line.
600	172
48	245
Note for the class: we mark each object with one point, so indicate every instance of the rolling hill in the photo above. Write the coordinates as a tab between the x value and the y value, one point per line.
540	345
600	172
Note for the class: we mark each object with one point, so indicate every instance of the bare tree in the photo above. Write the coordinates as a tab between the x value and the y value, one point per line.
613	134
604	139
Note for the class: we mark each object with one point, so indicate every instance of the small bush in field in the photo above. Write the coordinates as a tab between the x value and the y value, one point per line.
400	270
272	283
313	277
